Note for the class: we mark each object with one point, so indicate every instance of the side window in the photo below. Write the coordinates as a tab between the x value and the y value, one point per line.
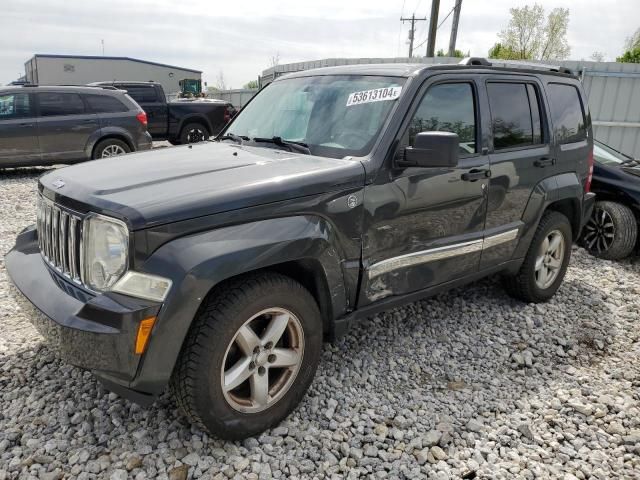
515	115
447	107
142	94
567	113
55	104
105	104
14	105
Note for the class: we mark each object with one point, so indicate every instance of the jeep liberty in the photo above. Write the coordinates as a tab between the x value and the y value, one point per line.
219	268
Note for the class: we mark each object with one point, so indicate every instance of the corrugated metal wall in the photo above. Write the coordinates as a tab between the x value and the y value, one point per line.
238	97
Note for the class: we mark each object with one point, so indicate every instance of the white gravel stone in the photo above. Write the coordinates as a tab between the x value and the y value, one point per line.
469	381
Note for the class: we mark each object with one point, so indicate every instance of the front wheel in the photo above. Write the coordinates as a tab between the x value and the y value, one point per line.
546	261
250	356
611	232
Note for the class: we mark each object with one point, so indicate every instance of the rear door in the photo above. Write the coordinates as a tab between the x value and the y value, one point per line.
520	157
64	126
149	99
18	129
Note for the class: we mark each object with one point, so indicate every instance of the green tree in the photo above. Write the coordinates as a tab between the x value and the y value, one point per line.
251	84
632	49
502	52
530	35
457	53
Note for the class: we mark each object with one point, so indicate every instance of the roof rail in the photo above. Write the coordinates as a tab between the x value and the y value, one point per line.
475	61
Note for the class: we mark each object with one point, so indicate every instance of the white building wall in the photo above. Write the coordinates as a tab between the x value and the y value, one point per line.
80	71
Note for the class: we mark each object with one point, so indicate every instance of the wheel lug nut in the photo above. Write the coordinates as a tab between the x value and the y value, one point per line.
252	365
271	358
269	345
261	370
256	350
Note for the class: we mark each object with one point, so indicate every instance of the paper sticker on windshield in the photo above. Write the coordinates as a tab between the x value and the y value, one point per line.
376	95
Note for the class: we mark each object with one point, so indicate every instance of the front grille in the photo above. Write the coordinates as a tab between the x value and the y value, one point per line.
60	238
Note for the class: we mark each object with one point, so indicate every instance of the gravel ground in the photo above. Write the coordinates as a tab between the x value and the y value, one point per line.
467	384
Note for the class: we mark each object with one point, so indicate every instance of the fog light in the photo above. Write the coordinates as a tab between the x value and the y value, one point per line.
143	285
144	332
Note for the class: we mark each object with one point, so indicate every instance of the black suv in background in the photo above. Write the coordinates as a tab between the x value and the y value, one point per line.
219	268
45	125
180	122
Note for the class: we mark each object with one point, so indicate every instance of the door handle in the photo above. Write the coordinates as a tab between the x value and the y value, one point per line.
544	162
474	175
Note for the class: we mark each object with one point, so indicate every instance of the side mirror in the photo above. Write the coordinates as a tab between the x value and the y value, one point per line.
432	149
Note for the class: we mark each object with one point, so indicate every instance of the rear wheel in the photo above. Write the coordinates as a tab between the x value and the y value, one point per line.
194	133
611	232
250	356
110	147
546	261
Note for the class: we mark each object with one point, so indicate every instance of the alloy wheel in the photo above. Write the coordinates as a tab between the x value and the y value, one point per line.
599	232
196	135
549	259
262	361
112	151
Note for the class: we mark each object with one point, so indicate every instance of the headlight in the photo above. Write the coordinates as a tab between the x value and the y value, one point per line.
106	247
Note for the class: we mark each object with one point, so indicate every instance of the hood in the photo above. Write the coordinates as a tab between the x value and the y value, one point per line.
172	184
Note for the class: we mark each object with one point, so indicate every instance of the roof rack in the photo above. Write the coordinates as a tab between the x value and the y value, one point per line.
515	64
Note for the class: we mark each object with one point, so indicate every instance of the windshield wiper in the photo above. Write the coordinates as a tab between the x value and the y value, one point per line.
299	147
232	136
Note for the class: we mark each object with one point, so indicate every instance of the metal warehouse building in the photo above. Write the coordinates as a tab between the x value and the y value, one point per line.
80	70
613	90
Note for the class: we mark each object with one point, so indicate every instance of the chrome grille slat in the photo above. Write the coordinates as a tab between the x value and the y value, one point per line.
59	238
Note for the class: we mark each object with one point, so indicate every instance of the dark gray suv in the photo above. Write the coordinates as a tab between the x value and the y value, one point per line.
48	125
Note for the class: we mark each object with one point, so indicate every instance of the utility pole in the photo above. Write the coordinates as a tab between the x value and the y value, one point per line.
412	32
454	28
433	26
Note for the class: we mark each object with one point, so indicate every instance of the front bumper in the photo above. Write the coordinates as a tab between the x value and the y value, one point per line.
95	332
587	209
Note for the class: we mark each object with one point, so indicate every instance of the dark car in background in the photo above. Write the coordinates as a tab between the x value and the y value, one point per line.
49	125
180	122
612	231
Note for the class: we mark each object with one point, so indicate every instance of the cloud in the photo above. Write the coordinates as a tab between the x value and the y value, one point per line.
239	38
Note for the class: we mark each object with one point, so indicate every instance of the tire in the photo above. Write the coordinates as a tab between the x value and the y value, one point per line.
110	147
214	345
194	133
531	283
611	232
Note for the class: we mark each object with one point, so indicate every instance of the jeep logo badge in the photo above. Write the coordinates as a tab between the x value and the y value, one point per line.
352	201
58	184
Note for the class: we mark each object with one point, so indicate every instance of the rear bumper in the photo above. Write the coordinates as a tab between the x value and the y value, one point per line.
94	332
145	142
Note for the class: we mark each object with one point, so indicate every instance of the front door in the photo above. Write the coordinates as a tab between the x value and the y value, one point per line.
425	225
18	130
64	126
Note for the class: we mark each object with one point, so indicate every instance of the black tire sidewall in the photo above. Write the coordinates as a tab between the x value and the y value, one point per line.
626	230
97	153
214	410
184	133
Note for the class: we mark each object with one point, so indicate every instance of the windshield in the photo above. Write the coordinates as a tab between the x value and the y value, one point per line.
333	115
608	156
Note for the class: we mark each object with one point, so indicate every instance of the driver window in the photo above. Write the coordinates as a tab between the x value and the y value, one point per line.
447	107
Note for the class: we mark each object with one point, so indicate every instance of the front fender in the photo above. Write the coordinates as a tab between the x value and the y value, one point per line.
199	262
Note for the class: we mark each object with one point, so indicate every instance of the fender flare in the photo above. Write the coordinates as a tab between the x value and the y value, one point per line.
197	263
562	187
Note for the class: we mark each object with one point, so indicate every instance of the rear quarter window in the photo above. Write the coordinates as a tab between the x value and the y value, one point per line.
105	104
567	113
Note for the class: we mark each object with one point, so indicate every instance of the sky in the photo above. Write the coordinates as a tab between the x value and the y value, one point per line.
239	39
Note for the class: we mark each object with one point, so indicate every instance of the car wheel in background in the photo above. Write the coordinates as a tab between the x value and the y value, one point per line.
611	232
250	355
111	147
194	133
546	261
